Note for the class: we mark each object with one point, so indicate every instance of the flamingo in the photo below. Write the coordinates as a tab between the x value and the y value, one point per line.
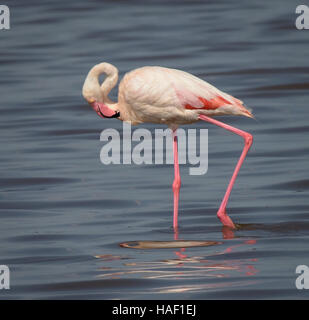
167	96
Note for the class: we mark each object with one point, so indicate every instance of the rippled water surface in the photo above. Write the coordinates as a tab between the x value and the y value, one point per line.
64	214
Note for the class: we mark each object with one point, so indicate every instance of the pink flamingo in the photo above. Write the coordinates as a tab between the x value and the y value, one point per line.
168	96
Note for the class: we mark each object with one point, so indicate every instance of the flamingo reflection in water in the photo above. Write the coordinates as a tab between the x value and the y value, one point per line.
189	267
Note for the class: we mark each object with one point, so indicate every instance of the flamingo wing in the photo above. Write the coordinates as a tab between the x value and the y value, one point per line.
163	88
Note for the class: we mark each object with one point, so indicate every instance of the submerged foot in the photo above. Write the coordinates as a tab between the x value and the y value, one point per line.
226	220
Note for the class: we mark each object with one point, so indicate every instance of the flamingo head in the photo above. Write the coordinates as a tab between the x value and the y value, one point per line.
103	110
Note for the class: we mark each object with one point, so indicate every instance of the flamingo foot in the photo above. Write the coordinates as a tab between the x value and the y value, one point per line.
226	220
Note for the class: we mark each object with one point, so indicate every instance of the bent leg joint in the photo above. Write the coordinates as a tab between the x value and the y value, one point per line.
248	139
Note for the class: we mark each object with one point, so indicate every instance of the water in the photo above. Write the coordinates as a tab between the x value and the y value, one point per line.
64	214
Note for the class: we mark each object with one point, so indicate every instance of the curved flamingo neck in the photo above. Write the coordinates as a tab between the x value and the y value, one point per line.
110	81
92	88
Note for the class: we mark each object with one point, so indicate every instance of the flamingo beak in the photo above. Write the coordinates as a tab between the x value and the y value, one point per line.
103	110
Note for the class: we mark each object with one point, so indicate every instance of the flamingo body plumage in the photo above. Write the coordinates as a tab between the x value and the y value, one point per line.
166	96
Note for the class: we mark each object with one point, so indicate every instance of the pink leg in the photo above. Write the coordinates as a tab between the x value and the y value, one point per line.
222	215
177	181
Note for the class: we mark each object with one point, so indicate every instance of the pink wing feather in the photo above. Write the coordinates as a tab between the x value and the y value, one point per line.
194	93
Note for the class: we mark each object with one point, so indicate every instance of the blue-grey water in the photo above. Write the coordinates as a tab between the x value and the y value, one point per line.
63	213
